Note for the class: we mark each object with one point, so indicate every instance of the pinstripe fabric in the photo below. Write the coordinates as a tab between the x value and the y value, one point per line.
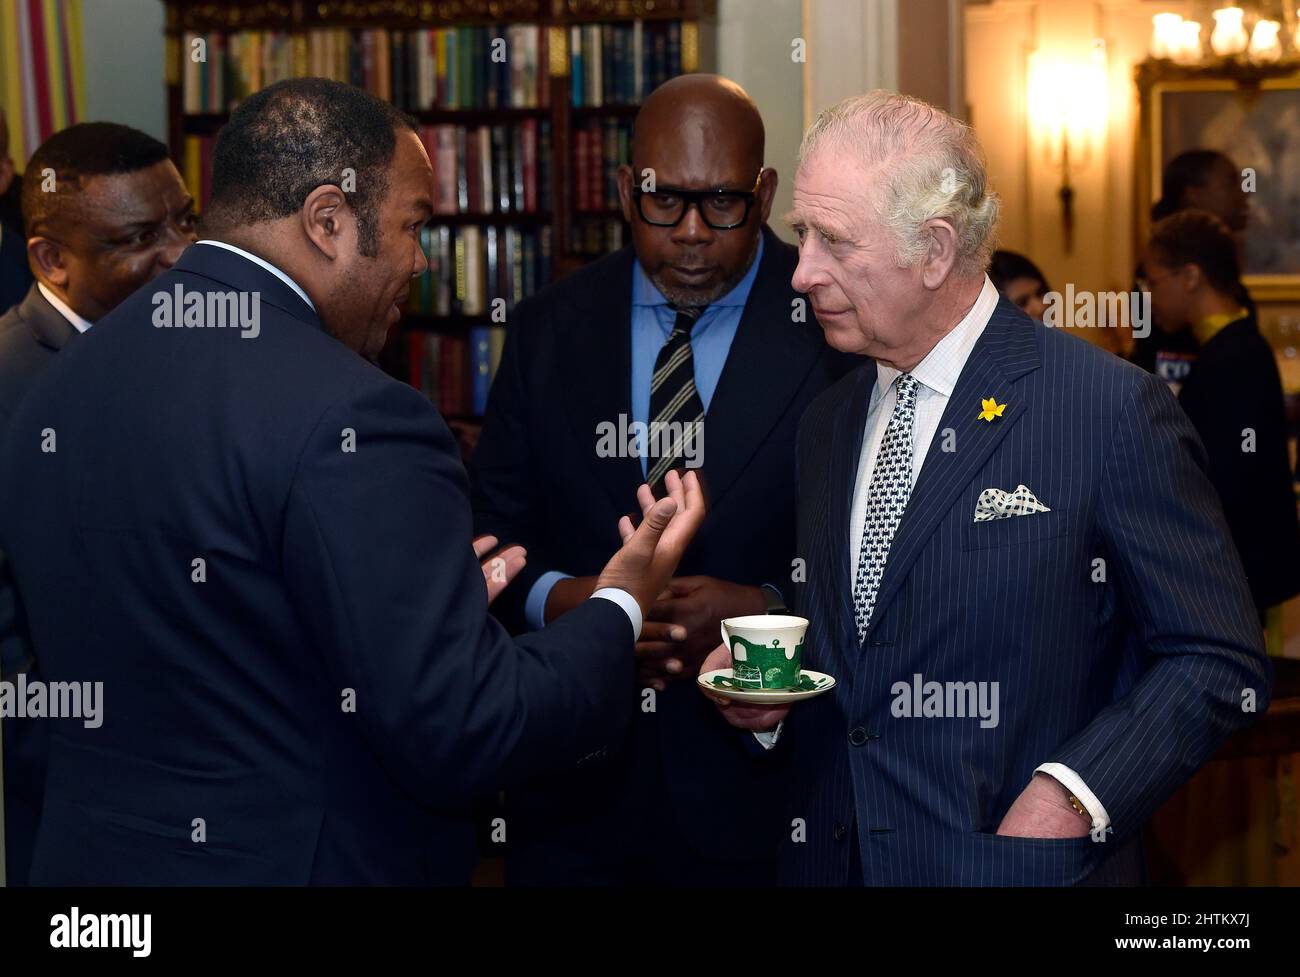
1118	626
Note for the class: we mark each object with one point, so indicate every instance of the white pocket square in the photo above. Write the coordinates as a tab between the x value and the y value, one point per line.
996	504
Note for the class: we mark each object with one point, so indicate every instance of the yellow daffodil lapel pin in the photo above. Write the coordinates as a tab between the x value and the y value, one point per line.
991	409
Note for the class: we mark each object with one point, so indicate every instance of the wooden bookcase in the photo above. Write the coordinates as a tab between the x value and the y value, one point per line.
696	28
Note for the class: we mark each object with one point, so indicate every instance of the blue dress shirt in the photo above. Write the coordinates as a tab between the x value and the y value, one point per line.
652	324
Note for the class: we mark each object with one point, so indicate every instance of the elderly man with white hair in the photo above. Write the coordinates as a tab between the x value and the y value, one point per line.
1016	567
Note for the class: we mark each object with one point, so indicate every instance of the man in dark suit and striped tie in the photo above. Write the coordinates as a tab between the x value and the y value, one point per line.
693	344
1017	567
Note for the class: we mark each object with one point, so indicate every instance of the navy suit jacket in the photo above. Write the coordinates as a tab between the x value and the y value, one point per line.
31	334
1118	626
566	368
333	696
15	273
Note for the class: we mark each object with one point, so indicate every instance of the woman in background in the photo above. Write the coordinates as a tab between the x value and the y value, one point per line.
1200	179
1019	279
1232	394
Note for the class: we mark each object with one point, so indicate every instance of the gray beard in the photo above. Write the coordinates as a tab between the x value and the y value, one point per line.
697	299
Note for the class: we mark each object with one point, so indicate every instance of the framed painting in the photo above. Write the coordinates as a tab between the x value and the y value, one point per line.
1254	118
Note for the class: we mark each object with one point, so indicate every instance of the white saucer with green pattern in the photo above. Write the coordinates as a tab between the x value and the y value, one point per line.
720	682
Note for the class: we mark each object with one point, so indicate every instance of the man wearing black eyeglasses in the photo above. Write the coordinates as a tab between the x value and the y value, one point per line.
689	349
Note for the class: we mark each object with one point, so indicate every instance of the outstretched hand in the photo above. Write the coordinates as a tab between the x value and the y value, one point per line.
500	569
652	550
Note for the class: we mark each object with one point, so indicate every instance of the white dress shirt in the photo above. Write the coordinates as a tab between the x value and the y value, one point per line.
937	375
65	310
265	264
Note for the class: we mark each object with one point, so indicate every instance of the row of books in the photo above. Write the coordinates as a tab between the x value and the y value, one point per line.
477	67
487	67
595	238
454	371
490	169
620	64
471	267
503	169
599	147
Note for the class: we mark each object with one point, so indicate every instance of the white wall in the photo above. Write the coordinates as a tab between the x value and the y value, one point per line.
122	47
1000	37
754	50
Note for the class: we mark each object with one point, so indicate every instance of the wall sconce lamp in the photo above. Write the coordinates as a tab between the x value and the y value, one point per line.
1067	114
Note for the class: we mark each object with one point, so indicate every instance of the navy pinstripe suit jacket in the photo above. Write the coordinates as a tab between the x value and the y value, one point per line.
1118	626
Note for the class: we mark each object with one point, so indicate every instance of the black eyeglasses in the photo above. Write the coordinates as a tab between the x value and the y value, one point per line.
722	210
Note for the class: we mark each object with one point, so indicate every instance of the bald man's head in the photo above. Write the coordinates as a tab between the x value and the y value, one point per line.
697	133
699	109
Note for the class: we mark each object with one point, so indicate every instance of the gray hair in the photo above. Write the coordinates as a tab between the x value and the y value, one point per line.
931	167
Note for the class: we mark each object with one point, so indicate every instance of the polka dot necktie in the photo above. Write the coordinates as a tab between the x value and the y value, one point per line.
891	486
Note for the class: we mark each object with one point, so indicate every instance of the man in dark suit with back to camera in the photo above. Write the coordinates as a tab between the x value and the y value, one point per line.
694	333
105	211
1018	570
267	541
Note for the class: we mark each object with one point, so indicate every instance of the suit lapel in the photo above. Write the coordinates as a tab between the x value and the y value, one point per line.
846	453
597	374
769	358
45	321
1006	351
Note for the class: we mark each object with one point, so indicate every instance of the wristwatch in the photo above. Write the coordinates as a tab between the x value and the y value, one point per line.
1079	808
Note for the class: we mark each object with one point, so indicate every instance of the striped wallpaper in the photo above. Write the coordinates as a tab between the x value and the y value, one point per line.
42	83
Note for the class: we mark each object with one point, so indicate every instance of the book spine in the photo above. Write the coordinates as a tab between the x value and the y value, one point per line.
501	160
446	272
638	61
492	279
458	301
577	67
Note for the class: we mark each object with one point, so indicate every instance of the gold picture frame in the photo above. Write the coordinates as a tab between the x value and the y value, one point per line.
1184	107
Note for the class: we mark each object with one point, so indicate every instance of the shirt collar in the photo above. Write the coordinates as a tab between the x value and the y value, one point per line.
265	264
943	364
646	293
65	310
1209	327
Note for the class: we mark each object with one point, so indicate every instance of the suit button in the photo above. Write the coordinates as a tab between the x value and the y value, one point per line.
839	831
858	736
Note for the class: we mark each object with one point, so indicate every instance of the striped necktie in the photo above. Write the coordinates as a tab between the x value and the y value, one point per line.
674	399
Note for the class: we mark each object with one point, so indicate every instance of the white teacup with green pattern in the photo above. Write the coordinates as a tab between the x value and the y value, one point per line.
766	650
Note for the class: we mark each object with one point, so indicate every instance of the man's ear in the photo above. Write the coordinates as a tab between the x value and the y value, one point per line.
767	192
625	191
941	254
46	257
327	220
1190	277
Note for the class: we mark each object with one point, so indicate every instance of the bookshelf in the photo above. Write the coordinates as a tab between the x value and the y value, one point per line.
525	108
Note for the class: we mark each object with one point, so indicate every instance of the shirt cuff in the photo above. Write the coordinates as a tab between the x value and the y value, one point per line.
1072	782
535	603
626	601
768	739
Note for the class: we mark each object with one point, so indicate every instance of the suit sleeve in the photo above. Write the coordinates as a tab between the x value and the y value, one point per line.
503	474
1178	576
378	558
